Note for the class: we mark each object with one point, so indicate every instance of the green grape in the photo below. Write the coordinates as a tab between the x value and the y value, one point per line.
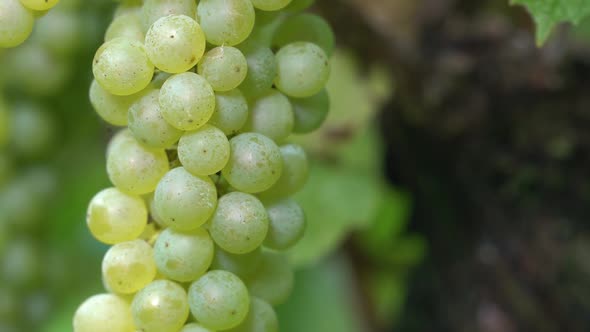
126	7
226	22
187	101
126	25
273	281
240	265
270	5
299	5
103	313
33	131
20	265
219	300
122	67
159	79
303	69
262	70
127	267
305	27
204	151
122	136
147	124
184	201
115	217
240	223
310	113
175	43
194	327
294	176
231	111
224	67
286	226
153	10
39	4
59	31
183	256
272	116
161	306
255	163
16	23
153	211
111	108
261	318
135	169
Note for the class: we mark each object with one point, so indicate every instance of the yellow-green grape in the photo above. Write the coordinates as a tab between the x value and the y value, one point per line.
224	67
187	101
219	300
175	43
184	201
153	10
162	306
147	124
39	4
261	318
16	23
272	116
115	217
33	131
287	224
226	22
255	163
310	113
122	136
270	5
241	265
294	175
273	281
122	67
127	267
231	112
303	69
111	108
240	223
194	327
204	151
183	256
60	31
126	25
262	70
103	313
128	7
305	27
136	169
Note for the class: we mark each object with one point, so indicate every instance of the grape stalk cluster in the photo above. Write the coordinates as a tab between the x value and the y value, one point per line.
199	215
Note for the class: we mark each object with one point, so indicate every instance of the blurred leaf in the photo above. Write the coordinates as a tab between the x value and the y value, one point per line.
548	13
388	293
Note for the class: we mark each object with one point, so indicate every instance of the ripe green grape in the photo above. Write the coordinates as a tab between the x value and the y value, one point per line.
273	281
231	111
122	67
153	10
227	22
39	4
194	327
122	136
185	201
286	226
305	27
183	256
294	175
241	265
219	300
135	169
262	69
147	124
16	23
270	5
127	267
187	101
175	43
224	67
162	306
255	163
204	151
111	108
310	113
240	223
127	25
303	69
103	313
272	116
261	318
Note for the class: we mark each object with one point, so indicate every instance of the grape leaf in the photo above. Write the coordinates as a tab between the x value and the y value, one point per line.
548	13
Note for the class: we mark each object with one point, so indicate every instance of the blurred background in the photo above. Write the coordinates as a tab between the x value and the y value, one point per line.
449	188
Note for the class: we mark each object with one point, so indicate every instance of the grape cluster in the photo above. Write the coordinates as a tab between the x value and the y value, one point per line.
200	213
17	18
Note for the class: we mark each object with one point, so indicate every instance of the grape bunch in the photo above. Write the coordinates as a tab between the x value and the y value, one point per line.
199	215
17	18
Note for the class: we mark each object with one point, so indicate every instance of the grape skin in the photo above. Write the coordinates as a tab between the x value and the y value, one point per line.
16	23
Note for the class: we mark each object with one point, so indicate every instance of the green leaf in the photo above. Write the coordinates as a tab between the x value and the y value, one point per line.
548	13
